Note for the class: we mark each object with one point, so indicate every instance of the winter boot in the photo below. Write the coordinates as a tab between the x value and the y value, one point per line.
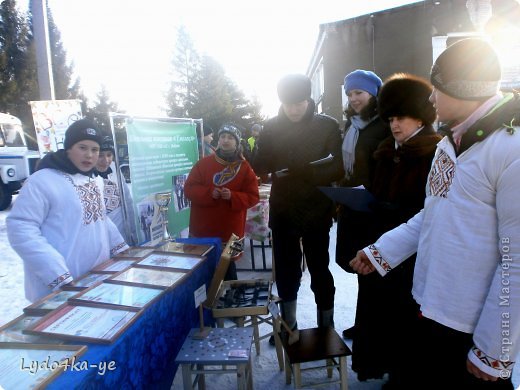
288	312
326	318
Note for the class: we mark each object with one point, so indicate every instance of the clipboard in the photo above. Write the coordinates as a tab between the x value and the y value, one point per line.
355	198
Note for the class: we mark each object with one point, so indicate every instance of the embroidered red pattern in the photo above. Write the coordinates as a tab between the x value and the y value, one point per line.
58	280
491	362
441	175
379	259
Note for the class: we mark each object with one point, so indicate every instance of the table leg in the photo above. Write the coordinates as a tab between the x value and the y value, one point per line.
186	377
256	333
343	372
241	377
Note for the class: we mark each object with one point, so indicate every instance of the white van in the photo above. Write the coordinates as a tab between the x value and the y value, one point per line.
17	162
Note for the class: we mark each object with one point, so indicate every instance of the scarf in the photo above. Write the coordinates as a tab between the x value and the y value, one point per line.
460	129
348	147
231	169
105	174
60	161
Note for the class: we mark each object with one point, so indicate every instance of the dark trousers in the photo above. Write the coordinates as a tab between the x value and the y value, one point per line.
437	359
288	263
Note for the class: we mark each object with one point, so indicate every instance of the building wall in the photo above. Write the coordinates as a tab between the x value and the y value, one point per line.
395	40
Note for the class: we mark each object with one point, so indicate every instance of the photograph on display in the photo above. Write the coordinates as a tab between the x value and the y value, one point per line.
167	260
133	297
183	248
180	201
85	281
49	302
16	371
96	324
147	210
12	331
146	277
113	266
134	252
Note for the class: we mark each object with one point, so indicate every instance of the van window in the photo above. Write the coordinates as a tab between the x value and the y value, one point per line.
12	135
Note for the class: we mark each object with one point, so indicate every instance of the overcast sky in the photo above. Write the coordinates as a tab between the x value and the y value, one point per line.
127	45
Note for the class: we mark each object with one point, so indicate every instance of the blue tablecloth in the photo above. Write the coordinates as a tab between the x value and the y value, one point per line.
144	354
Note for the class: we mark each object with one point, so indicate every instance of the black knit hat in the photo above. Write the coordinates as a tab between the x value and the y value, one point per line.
294	88
231	129
107	144
468	70
404	94
81	130
207	130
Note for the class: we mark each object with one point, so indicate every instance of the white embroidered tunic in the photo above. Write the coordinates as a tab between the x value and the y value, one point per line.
467	238
59	228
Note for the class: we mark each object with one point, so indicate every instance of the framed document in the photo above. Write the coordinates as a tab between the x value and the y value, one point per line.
48	303
113	266
12	331
184	249
169	260
146	277
94	324
128	297
134	252
85	281
26	366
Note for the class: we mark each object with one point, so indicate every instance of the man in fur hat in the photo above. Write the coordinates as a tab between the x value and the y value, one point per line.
467	237
299	211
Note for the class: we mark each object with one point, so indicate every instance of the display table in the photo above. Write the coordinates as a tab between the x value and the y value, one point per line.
144	354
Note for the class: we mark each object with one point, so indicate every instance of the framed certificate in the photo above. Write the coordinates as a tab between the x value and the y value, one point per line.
135	252
49	302
184	249
12	331
85	281
26	366
94	324
146	277
169	260
120	295
113	266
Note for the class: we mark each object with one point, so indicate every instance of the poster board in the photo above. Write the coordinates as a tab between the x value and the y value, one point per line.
51	119
161	153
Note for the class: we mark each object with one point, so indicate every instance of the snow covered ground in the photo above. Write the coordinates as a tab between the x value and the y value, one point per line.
266	374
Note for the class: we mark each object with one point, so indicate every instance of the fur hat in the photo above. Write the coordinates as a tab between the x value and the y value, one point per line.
107	144
405	94
467	70
364	80
231	129
80	130
294	88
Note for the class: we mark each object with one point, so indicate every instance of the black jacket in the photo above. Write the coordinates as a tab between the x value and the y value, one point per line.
295	198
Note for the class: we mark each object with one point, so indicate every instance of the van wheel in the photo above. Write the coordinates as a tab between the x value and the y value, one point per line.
6	197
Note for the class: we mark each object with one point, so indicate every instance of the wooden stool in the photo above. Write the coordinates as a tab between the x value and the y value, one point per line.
250	315
316	344
213	354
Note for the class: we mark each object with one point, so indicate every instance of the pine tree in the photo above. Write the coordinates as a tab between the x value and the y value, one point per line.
61	70
99	112
186	67
201	89
18	78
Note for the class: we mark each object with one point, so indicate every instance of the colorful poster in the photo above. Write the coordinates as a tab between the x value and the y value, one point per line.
51	120
161	154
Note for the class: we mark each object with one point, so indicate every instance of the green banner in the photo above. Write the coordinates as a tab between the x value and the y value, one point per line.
161	154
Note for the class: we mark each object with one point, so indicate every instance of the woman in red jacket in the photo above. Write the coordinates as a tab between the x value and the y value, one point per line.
221	187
